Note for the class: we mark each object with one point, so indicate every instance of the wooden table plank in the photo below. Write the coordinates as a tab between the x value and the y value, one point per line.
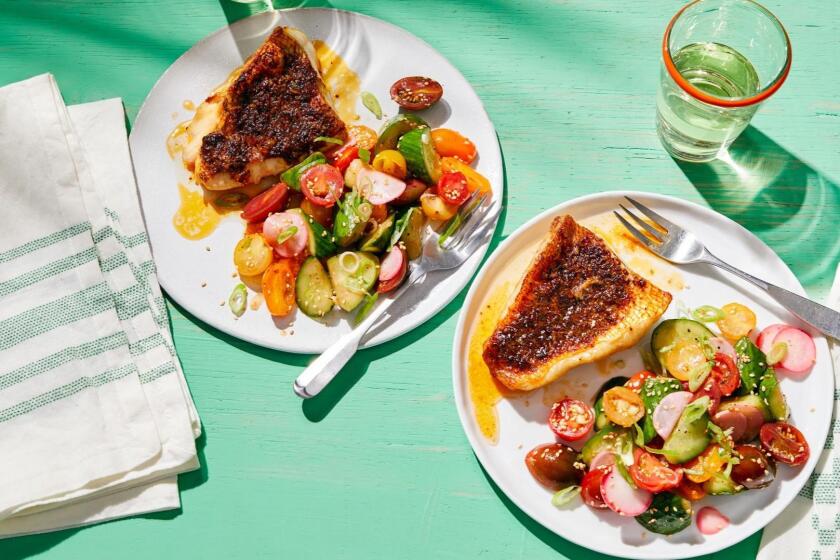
379	466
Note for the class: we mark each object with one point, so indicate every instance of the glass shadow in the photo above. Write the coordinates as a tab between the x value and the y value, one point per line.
788	204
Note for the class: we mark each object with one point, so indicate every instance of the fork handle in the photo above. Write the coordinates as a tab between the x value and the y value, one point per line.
320	372
820	317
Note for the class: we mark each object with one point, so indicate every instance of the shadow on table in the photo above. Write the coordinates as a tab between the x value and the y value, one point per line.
20	548
787	203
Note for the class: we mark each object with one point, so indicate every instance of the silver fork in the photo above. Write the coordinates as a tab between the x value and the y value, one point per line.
477	221
680	246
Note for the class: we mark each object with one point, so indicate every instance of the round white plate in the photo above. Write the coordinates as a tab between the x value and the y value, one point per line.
522	421
380	53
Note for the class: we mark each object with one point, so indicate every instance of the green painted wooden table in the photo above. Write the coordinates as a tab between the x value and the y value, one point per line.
378	466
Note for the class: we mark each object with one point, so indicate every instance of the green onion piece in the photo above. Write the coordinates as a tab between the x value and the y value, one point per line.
364	155
238	300
330	140
231	200
640	435
367	306
371	103
286	234
565	496
707	314
777	353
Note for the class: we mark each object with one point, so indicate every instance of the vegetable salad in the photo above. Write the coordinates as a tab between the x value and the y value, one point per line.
707	418
342	225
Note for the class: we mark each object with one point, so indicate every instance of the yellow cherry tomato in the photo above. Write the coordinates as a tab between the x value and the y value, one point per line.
685	357
738	321
623	407
252	255
450	143
704	466
364	137
475	180
391	162
435	208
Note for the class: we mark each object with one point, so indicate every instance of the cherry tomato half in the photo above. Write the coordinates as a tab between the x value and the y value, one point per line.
590	489
690	490
342	157
726	374
785	443
705	465
554	465
622	406
364	137
754	469
322	184
450	143
416	92
278	286
571	419
648	472
738	321
267	202
709	389
452	188
252	255
636	382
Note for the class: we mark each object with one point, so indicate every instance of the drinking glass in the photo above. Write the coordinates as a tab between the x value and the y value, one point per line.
720	60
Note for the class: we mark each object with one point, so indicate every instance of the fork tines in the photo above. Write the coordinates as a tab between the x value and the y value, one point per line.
656	233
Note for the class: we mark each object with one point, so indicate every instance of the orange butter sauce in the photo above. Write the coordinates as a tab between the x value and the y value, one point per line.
342	82
195	218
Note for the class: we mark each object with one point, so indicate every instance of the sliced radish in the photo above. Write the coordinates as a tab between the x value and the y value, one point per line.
393	269
277	224
768	335
801	352
711	521
603	459
753	416
378	187
668	411
731	419
723	346
623	498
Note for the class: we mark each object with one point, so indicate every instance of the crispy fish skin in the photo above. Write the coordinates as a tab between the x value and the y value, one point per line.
268	115
577	303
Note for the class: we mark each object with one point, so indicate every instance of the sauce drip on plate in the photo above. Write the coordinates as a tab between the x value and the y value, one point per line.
343	83
177	139
195	218
485	391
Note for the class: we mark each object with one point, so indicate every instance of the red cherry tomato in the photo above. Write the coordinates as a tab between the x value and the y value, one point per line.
590	489
709	389
452	188
785	443
571	419
416	92
342	157
653	475
267	202
726	374
322	184
636	382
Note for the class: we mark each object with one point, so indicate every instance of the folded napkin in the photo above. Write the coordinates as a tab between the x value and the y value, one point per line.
810	526
92	397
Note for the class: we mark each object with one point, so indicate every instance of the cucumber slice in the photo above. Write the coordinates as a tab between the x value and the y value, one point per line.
378	239
667	514
770	392
412	235
420	156
601	420
351	218
670	331
749	400
319	240
313	289
352	287
690	437
396	127
609	438
292	175
752	365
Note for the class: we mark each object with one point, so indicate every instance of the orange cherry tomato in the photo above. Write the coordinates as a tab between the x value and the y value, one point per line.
278	286
475	180
362	136
704	466
738	321
450	143
379	212
622	406
690	490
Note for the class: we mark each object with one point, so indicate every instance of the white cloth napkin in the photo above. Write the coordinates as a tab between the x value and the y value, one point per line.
810	526
92	397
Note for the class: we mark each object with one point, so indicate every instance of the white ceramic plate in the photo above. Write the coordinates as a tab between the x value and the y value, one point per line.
522	421
380	53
